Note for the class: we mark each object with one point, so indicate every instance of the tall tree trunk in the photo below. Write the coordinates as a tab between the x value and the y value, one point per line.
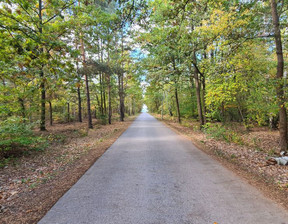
78	85
198	95
101	79
86	84
204	93
101	94
98	102
79	104
104	99
88	103
204	99
121	97
133	106
129	109
109	92
79	93
170	111
279	75
42	81
198	91
68	112
176	89
193	107
22	106
50	113
43	100
177	104
109	100
121	82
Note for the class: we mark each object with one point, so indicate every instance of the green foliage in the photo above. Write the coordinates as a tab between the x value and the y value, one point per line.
17	137
103	119
219	132
43	48
216	131
223	43
15	126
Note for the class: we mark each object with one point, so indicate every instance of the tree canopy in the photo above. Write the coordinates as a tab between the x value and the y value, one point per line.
214	61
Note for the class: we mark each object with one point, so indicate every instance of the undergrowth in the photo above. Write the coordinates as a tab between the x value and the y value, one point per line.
17	138
220	132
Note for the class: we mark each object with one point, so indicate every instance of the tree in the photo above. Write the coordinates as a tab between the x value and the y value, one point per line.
40	27
279	75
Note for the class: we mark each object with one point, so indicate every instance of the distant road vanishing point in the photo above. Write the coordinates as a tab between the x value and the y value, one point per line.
151	175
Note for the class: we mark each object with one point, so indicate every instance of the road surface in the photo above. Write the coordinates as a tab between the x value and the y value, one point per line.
151	175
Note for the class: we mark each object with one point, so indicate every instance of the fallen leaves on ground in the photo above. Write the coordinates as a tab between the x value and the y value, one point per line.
258	146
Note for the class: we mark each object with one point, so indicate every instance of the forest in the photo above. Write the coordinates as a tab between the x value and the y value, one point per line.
74	74
211	61
64	61
218	61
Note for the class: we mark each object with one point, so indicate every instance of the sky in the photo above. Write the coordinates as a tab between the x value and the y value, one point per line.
144	109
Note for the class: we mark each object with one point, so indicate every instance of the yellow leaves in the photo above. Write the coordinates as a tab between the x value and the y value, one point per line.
210	47
205	22
217	15
222	23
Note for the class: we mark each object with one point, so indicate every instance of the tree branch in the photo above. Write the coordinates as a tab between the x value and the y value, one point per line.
23	24
28	13
59	13
22	31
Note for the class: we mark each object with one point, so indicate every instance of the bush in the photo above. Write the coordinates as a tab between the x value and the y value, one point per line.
216	131
103	119
16	136
15	126
219	132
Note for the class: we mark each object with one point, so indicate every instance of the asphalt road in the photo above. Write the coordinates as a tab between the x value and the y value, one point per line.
151	175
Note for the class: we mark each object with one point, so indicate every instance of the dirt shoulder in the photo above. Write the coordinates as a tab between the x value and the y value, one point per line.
32	184
247	159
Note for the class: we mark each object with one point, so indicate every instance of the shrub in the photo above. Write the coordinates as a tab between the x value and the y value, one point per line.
216	131
219	132
16	136
103	119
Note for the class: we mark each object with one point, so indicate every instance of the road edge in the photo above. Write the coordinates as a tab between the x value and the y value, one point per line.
264	185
